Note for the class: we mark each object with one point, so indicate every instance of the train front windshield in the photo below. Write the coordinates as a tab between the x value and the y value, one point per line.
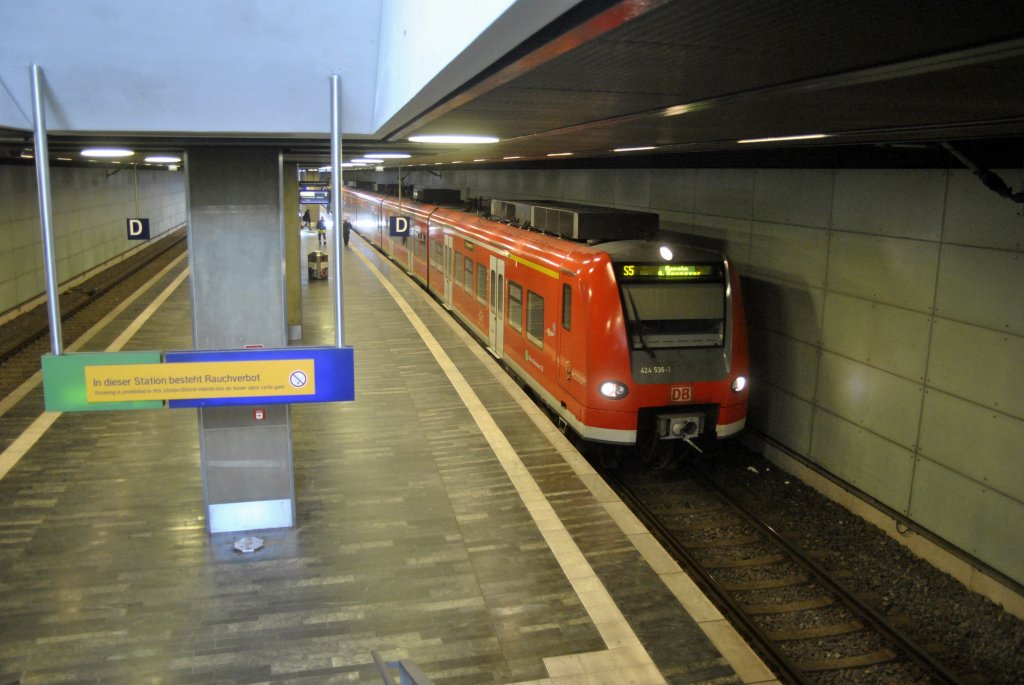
673	305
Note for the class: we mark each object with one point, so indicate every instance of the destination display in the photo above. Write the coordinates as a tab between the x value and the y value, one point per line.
668	272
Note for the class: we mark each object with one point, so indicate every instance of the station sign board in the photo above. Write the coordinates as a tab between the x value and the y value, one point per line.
398	226
197	378
314	194
138	229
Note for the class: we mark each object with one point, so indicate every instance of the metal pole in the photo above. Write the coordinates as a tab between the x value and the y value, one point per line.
336	213
46	209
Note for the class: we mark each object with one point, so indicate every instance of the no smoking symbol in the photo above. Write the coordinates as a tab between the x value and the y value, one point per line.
297	379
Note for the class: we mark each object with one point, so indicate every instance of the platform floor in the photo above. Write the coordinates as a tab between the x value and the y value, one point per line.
440	518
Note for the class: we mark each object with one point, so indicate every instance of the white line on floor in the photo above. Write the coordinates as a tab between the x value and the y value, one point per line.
24	442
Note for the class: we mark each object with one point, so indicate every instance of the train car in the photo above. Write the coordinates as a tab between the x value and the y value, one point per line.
628	340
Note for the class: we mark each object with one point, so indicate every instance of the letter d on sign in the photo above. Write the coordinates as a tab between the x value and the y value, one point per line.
398	225
138	229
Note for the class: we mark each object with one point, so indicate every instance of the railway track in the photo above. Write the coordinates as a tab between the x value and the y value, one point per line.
796	613
24	339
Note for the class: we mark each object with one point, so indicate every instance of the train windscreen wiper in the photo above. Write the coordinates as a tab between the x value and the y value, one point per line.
639	324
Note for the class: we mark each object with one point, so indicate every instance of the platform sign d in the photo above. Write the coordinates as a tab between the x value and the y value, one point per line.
138	229
398	226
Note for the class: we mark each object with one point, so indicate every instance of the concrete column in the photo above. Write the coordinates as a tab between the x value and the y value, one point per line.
237	256
293	264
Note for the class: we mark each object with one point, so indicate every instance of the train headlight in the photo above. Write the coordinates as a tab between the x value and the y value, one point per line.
614	390
739	383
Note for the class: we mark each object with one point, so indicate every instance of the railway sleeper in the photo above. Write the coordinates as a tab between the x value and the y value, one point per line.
879	656
788	607
766	584
816	631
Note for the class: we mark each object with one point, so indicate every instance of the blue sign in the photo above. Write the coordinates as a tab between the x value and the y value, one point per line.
333	374
138	229
314	194
398	226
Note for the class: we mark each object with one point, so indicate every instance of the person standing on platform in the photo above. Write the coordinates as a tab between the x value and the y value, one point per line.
346	227
306	218
321	231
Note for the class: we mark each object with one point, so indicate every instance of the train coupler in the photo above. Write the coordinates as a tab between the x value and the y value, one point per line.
683	427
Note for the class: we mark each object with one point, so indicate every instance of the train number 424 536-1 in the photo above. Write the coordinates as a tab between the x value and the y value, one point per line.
645	370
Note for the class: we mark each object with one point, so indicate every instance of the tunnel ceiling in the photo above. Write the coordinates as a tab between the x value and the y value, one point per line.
870	80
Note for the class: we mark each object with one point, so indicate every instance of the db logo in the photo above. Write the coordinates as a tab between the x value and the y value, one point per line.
680	393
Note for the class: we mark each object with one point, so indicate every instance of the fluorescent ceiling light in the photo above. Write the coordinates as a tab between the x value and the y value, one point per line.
810	136
107	152
559	154
513	157
453	139
163	159
676	110
389	155
367	160
634	149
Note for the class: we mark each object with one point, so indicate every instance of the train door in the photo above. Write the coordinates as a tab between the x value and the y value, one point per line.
449	268
497	306
571	347
411	243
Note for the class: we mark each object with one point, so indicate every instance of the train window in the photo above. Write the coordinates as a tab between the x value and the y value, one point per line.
437	261
469	276
458	268
566	306
535	318
675	314
515	306
481	283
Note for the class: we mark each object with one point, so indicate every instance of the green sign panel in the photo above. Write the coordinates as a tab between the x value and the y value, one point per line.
64	380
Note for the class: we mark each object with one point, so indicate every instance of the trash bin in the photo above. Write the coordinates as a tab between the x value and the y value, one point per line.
317	263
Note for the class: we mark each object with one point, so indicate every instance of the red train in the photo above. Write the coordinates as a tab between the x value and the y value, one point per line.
628	340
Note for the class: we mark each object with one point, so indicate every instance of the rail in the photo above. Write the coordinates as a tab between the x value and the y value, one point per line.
790	669
408	672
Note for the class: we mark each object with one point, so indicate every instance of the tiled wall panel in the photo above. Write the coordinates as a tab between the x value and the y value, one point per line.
786	363
791	253
979	365
865	459
979	443
785	417
794	197
787	308
891	270
981	286
90	209
973	517
633	191
976	216
889	338
673	190
870	398
725	192
895	203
